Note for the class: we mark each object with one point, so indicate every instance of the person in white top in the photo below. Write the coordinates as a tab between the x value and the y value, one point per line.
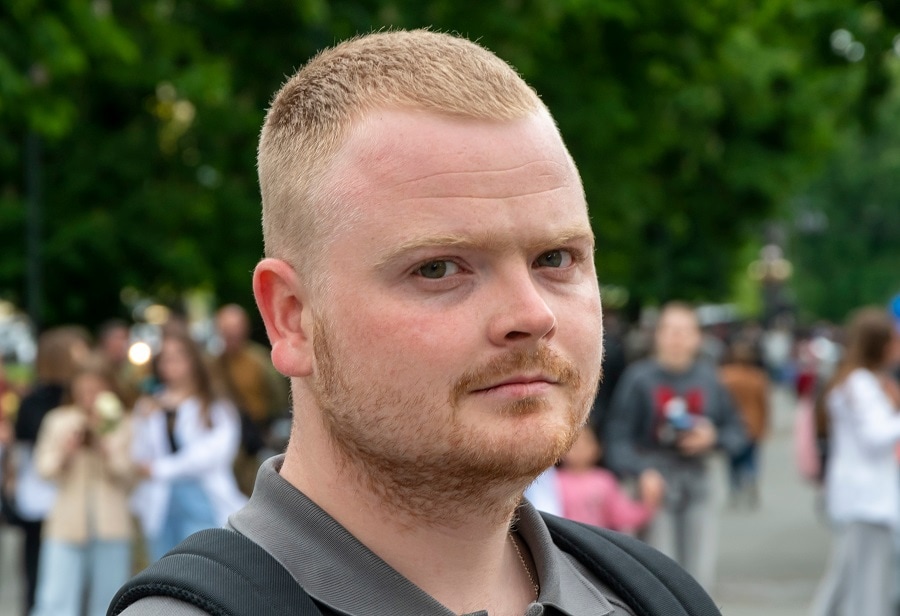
862	481
185	442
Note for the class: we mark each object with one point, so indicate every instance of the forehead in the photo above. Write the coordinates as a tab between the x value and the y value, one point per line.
413	171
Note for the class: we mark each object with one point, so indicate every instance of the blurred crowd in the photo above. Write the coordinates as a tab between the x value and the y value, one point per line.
678	389
107	464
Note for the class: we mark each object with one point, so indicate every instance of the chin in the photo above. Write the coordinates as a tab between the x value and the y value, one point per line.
525	444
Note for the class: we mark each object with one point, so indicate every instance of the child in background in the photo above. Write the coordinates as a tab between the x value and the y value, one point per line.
592	495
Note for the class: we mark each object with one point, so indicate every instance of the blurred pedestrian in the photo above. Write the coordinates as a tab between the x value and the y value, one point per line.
85	449
186	438
59	353
777	345
862	484
615	361
113	338
251	381
593	495
748	384
669	413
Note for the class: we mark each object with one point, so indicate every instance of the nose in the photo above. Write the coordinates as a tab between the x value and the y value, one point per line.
521	312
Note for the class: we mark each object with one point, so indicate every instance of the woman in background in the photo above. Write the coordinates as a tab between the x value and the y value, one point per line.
85	449
186	438
59	353
862	484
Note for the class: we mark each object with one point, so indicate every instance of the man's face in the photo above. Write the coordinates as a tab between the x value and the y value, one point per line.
233	329
678	339
115	345
458	337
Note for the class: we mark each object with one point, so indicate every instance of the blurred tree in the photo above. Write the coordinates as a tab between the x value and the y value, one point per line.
845	227
689	121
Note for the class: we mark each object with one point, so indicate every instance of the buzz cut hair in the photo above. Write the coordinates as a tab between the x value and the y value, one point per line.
312	114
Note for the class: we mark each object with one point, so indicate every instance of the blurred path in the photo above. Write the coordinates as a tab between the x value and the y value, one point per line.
771	559
10	572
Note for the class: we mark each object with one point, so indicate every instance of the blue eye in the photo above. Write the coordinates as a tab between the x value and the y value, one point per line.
555	258
435	270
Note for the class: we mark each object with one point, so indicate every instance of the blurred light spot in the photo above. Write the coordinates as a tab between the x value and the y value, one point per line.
208	176
183	111
841	40
139	353
101	8
856	51
156	314
165	91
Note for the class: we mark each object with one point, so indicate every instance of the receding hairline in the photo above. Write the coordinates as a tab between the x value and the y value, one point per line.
312	114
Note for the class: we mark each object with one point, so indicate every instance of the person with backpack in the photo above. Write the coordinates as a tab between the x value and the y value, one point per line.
429	288
862	484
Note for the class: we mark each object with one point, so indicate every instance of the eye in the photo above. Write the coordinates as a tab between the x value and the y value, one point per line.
555	258
435	270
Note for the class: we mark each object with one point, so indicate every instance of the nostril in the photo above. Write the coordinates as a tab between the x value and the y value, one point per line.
517	335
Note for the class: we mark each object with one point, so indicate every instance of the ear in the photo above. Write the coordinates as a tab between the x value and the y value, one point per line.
283	305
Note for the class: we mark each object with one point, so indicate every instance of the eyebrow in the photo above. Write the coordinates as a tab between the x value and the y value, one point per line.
482	241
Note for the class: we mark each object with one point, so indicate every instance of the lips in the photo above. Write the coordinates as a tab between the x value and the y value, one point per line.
519	382
517	375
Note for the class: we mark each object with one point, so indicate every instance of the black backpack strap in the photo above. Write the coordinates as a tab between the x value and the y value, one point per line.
223	573
650	583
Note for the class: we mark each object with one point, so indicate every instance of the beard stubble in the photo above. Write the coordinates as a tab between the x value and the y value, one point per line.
414	451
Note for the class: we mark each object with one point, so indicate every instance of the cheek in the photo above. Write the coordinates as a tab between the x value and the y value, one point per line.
581	323
398	341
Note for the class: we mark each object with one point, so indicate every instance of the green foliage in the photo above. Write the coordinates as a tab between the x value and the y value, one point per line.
845	225
689	121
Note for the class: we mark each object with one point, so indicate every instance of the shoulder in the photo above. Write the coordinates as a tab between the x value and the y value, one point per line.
162	606
862	378
858	383
706	369
40	400
639	370
223	407
62	416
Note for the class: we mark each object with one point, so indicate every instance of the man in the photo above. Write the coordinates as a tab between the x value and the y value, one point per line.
112	345
252	384
669	413
429	288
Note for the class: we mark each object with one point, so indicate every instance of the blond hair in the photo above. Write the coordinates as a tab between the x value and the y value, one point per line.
59	353
311	115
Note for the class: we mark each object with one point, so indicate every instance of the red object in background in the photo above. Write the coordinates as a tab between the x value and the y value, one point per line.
806	383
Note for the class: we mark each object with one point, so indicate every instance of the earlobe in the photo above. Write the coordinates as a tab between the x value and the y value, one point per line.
282	304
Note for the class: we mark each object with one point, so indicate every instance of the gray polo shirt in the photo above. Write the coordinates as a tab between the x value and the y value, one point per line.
340	572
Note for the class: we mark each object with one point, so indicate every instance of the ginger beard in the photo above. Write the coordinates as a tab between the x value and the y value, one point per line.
417	452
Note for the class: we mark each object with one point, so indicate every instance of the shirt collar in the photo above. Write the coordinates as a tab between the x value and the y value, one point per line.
339	571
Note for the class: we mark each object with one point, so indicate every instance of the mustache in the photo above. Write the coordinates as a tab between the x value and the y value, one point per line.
542	360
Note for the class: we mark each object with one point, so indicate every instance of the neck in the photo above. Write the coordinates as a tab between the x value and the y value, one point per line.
464	558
